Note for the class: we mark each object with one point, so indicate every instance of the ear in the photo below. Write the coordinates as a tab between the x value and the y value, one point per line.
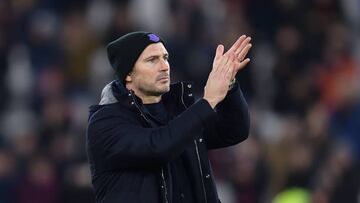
128	77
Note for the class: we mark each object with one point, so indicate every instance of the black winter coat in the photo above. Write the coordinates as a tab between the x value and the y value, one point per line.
128	153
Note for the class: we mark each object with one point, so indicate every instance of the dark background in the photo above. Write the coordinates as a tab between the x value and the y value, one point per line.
302	86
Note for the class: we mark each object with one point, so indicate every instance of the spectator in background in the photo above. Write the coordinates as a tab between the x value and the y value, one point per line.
53	65
41	184
8	178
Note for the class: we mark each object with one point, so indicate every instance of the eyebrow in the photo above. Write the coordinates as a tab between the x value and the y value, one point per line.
157	56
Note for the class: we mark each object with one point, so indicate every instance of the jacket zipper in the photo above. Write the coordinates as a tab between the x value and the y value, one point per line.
165	189
162	169
196	147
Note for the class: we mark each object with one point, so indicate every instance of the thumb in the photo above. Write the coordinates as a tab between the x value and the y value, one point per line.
218	54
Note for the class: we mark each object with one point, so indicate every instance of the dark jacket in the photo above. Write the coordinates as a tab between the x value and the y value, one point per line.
129	154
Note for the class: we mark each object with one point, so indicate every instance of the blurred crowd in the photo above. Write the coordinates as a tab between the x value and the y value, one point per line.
302	86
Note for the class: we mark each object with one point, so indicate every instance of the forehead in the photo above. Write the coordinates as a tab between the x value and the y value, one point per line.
154	49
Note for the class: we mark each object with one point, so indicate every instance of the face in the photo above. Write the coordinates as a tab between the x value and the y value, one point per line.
150	76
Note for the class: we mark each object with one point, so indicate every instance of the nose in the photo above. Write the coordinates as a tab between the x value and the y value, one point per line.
164	65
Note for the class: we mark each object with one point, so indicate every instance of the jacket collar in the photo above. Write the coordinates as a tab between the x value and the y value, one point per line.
115	92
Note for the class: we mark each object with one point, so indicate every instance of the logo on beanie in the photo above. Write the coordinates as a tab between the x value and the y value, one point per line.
153	37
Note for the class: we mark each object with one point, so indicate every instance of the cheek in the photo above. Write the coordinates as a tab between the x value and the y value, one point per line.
145	78
145	73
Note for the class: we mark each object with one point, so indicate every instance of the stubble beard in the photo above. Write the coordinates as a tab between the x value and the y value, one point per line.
150	90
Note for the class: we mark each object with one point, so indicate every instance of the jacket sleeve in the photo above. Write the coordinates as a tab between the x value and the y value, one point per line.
118	142
232	122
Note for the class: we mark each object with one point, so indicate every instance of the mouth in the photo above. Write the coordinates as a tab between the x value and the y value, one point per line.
163	78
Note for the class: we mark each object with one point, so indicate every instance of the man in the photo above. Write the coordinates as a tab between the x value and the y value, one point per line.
147	141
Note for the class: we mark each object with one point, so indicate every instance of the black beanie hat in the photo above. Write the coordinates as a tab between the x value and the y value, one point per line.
124	51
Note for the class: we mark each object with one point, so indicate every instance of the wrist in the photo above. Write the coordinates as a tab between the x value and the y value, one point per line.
232	84
211	102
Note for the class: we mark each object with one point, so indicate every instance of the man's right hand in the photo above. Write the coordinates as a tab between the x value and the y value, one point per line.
220	76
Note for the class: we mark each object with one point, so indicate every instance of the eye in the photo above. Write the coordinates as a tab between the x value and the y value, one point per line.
152	59
166	57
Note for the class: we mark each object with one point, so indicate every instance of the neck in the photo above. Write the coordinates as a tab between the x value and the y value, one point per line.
149	99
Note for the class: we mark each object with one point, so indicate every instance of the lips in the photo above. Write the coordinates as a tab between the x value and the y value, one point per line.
163	77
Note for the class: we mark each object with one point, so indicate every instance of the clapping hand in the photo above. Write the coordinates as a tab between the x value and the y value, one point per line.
241	48
225	68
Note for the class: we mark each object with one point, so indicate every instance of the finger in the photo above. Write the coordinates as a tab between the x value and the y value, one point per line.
244	52
218	57
218	54
238	66
237	44
219	51
243	64
243	44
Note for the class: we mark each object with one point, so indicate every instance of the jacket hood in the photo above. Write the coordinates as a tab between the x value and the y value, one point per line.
112	93
107	96
115	92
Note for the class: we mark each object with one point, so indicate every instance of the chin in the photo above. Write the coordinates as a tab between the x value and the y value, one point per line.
166	89
160	90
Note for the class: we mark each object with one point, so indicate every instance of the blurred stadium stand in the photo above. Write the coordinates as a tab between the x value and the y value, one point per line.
302	86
